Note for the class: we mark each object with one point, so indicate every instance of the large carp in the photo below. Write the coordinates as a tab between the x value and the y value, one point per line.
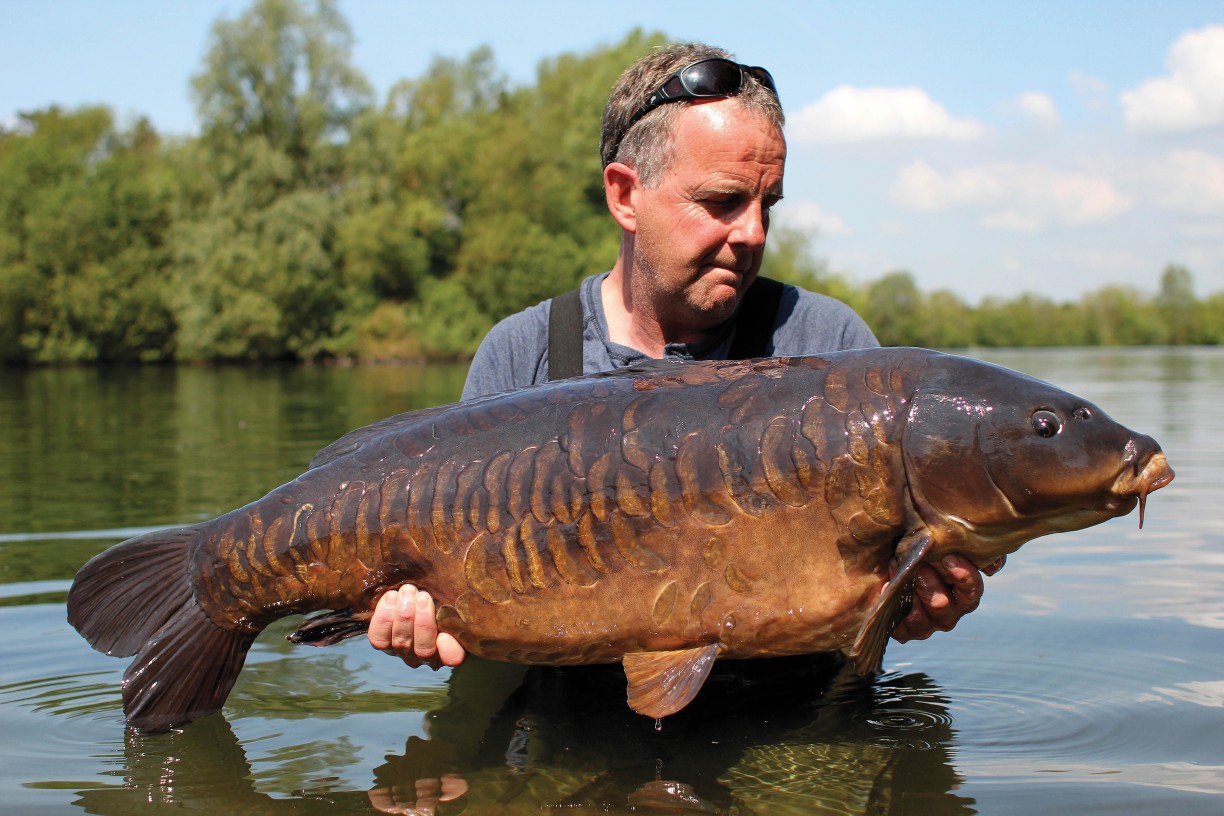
661	516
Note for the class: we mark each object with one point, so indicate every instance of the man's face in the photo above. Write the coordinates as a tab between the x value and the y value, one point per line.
701	229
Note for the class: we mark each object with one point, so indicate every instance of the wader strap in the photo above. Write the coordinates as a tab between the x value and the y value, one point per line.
565	337
757	315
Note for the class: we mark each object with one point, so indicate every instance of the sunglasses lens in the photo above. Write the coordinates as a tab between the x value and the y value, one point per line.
713	77
764	77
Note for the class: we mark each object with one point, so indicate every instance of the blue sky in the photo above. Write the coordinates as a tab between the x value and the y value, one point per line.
1050	147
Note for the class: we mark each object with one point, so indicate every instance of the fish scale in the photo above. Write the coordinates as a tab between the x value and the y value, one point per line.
662	516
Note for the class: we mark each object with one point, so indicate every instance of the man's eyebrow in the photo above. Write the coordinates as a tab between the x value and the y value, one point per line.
735	186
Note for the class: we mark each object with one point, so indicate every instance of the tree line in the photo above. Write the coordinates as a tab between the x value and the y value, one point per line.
309	221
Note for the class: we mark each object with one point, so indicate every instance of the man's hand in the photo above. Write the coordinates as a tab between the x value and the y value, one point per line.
423	799
405	625
942	596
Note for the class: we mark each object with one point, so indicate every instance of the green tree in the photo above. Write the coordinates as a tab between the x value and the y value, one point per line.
1177	307
409	181
947	321
1029	320
256	258
537	221
1212	332
1120	316
84	214
281	73
894	309
789	257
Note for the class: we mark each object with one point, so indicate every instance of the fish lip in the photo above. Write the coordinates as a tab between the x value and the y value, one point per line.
1139	477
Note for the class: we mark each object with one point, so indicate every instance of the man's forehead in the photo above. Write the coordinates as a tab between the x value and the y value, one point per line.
730	143
723	115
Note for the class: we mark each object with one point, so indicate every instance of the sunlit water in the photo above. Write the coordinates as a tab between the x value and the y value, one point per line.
1091	680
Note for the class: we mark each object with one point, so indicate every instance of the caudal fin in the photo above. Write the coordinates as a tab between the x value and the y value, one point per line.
136	598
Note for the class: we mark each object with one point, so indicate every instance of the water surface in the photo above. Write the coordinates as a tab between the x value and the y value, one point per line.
1091	680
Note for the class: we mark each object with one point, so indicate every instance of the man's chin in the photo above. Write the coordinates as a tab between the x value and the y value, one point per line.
719	305
727	292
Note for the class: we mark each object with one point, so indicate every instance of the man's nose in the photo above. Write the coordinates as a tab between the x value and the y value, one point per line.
750	226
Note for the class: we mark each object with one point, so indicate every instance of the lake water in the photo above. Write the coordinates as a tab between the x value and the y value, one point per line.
1090	681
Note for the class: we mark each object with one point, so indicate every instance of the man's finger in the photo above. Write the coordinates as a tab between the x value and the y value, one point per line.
403	621
425	627
450	652
965	583
934	608
995	566
382	621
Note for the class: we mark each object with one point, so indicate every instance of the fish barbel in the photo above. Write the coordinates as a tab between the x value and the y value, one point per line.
661	516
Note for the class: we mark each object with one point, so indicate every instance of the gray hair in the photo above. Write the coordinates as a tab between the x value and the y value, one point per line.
646	145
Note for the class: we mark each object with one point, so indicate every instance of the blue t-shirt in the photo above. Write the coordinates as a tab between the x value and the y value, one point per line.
514	353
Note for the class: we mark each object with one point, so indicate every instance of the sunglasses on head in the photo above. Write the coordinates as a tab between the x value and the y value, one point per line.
705	79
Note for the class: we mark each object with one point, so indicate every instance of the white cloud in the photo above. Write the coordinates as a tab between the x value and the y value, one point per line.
1039	107
1191	96
1188	181
1204	258
1013	219
1103	259
1091	90
849	114
811	216
1014	196
1203	230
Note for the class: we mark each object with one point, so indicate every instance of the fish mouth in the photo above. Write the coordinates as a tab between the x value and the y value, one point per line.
1138	479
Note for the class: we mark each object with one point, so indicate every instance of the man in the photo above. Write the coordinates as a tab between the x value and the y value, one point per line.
693	156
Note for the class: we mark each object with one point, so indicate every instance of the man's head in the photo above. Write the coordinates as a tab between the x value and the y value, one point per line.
640	134
691	186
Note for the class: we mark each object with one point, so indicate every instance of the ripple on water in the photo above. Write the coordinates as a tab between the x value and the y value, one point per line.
906	712
71	695
1100	694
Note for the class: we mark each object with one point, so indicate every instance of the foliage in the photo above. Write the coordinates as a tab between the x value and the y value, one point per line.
307	221
84	214
281	74
256	258
789	259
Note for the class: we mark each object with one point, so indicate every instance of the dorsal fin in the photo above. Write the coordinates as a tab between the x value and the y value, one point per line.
355	439
662	683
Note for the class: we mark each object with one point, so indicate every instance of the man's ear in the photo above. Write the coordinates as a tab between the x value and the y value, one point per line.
621	186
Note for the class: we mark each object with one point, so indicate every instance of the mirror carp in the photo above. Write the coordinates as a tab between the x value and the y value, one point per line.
660	516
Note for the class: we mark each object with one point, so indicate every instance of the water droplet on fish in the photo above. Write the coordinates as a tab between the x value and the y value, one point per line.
658	724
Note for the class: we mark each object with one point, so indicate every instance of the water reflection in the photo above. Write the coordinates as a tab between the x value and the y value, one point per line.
515	740
202	768
160	446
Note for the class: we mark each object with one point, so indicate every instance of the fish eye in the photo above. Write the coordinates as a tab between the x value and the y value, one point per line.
1046	423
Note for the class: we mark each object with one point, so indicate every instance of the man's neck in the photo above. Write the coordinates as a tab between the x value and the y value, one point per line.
633	319
631	322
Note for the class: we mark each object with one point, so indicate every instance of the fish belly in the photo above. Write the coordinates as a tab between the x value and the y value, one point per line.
755	586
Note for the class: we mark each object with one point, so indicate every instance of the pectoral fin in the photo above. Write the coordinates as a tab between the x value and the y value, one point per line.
662	683
891	607
331	627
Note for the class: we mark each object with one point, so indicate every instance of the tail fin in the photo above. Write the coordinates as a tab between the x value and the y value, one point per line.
136	598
